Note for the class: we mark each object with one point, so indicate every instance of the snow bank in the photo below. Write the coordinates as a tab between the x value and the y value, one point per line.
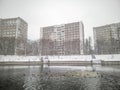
13	58
115	57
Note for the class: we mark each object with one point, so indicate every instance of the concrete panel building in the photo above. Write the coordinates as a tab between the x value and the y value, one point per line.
13	36
107	39
64	39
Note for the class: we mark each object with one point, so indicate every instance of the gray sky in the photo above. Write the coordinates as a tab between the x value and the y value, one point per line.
40	13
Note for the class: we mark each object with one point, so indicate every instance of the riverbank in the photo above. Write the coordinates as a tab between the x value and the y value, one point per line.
61	60
60	63
47	63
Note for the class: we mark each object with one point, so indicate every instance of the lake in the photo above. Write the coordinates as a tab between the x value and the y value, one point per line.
46	77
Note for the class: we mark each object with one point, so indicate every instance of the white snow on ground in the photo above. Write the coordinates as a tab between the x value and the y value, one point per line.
18	58
112	57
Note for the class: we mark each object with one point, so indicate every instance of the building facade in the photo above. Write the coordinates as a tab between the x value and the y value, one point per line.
64	39
107	39
13	36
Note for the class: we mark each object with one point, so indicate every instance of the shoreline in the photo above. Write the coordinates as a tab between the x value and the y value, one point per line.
77	63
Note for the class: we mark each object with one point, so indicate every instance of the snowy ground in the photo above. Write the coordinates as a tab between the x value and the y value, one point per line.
112	57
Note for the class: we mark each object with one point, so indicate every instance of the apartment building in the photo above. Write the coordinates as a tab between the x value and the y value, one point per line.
13	36
107	39
64	39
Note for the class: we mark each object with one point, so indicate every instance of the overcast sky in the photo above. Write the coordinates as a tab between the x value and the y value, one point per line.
40	13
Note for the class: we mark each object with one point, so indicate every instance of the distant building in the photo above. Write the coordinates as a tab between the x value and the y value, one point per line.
13	36
107	39
64	39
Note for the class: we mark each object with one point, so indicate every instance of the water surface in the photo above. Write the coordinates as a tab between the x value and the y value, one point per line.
59	77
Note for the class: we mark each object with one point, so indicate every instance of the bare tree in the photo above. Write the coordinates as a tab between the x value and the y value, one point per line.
32	47
88	46
7	45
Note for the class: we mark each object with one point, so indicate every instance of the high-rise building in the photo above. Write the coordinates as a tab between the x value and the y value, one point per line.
13	36
64	39
107	39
